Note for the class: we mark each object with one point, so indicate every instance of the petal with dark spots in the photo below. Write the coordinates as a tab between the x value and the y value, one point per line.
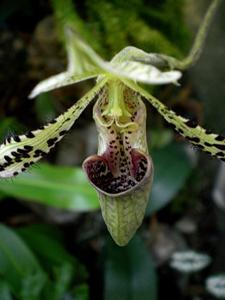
19	153
122	171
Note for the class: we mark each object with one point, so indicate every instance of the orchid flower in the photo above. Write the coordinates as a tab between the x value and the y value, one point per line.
122	171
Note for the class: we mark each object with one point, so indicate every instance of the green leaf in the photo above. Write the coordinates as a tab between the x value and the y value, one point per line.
62	187
46	244
43	229
172	167
16	260
80	292
63	278
129	272
45	241
46	247
5	293
59	286
32	286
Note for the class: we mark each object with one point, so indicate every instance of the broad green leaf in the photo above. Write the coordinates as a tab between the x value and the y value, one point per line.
45	242
172	166
62	187
43	229
129	272
63	268
16	260
45	246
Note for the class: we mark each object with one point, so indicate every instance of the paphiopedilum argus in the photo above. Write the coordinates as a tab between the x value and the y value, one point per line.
122	171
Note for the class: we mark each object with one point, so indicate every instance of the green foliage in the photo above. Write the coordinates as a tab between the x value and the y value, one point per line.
35	266
66	15
53	185
129	272
130	24
172	168
18	265
110	26
5	291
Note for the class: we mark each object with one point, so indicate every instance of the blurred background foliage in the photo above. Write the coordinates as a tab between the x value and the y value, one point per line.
53	242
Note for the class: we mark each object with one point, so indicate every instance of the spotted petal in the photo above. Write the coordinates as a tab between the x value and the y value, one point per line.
211	143
19	152
122	171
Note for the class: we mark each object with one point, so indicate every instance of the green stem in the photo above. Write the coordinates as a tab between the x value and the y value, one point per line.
167	62
199	39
